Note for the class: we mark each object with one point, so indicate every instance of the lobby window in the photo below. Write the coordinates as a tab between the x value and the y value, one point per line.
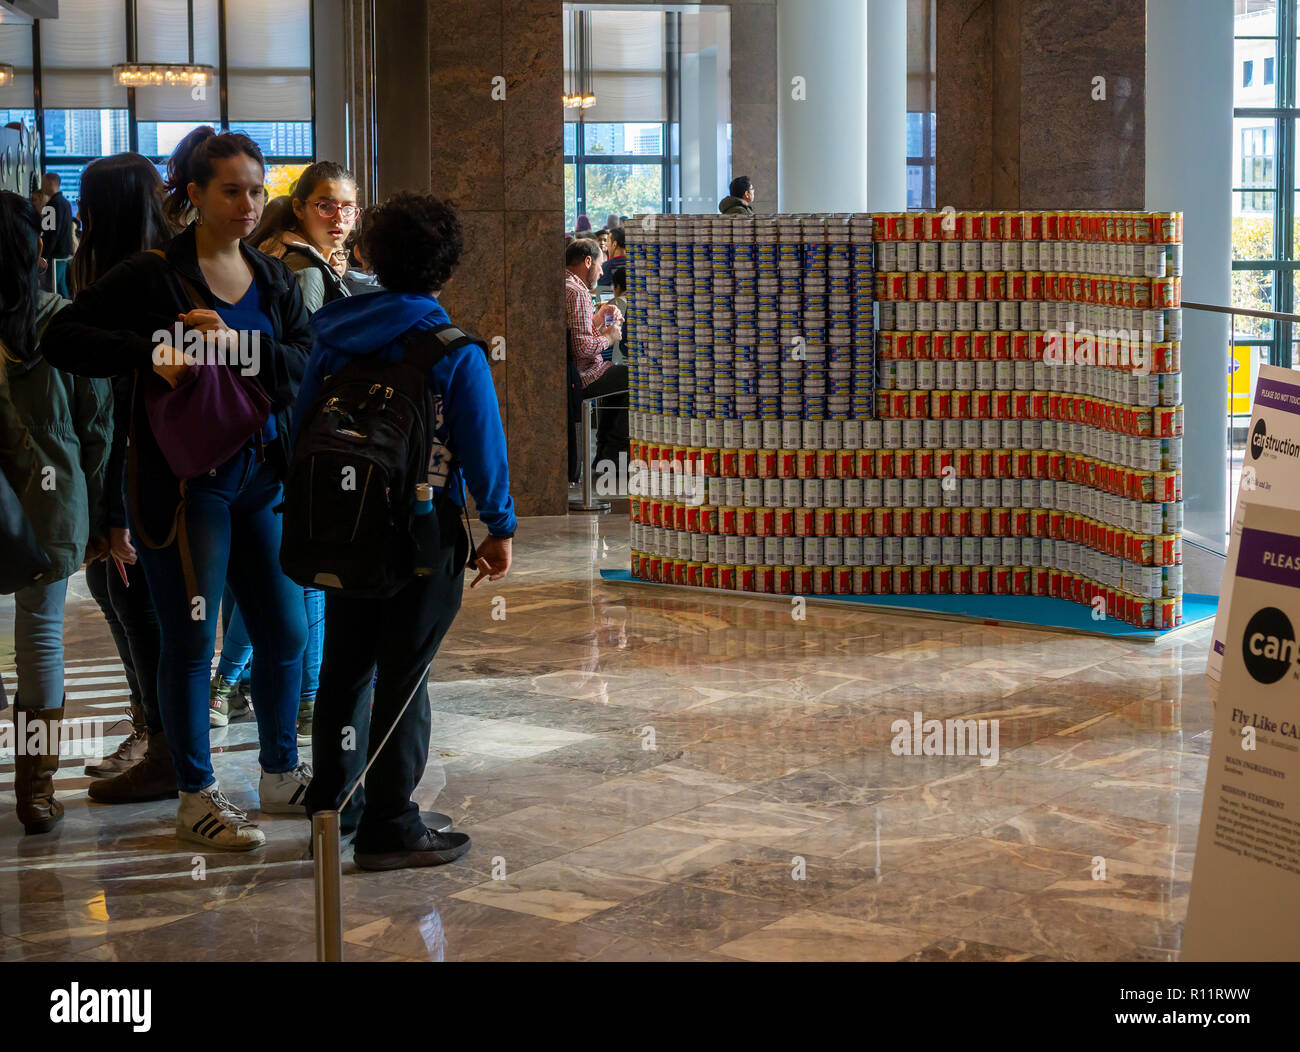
658	137
83	114
920	103
1266	273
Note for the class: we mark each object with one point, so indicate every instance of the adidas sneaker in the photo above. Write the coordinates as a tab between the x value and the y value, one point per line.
209	818
286	793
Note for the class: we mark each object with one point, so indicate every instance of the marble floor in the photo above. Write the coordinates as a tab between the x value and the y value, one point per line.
652	775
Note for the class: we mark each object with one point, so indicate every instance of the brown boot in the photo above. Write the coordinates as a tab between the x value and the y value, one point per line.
128	754
38	811
153	778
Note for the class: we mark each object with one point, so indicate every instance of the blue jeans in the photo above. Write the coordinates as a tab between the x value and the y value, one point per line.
38	644
237	648
235	537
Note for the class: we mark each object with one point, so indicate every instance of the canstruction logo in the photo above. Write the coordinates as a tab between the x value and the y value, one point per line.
1261	442
1268	648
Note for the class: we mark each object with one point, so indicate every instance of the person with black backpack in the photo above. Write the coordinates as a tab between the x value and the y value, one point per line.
397	412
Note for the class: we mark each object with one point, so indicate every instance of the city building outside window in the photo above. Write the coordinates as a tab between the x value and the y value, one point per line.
83	114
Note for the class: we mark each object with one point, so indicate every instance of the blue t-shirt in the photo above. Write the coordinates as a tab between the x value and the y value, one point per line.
248	316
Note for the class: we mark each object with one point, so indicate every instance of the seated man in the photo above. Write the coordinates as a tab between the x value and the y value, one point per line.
591	333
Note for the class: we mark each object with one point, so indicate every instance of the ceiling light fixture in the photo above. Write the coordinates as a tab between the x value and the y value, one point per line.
191	74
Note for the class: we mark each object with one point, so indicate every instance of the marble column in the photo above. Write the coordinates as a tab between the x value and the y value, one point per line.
1041	103
822	105
753	98
501	161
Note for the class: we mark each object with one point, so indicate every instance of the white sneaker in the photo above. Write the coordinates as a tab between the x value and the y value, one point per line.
286	793
208	818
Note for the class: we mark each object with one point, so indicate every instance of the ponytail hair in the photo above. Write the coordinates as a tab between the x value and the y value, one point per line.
192	162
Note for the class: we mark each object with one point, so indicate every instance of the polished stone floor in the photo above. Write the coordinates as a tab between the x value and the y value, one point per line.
649	774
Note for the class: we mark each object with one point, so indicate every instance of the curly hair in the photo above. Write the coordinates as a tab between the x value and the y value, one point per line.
413	242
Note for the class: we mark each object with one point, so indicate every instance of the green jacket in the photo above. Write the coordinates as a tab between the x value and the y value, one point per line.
50	419
734	206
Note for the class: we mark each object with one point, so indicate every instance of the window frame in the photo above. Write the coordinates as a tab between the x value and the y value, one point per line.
133	125
1283	265
666	158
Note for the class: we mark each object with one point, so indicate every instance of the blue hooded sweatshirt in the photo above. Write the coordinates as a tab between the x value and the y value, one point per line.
467	418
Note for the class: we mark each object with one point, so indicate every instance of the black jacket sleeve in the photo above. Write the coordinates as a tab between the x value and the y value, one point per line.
96	335
284	361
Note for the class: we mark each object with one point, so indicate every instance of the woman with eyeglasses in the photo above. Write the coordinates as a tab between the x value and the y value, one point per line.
311	236
308	231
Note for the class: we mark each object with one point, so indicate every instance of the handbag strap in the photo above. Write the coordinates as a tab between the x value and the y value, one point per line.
190	291
179	532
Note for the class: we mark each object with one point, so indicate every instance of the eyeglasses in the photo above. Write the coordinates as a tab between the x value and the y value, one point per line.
327	209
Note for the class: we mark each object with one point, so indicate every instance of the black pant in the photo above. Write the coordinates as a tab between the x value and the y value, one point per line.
400	636
611	421
134	625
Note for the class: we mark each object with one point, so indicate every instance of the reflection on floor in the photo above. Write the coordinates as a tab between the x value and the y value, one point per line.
668	777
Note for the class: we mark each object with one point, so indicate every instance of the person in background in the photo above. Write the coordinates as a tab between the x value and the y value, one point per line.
45	272
415	242
618	281
611	221
121	202
311	237
276	216
55	432
56	231
741	201
617	255
214	284
592	332
601	237
360	277
583	226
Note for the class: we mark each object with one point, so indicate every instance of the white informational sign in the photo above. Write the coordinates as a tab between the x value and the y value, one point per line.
1246	879
1270	472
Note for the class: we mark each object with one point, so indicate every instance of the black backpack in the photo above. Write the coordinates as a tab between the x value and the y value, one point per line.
362	448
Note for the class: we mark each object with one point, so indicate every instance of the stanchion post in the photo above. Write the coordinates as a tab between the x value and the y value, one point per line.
329	884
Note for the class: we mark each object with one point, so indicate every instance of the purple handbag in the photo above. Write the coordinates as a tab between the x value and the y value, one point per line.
198	426
207	419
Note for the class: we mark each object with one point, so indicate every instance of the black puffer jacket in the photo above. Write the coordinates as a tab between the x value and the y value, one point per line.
108	331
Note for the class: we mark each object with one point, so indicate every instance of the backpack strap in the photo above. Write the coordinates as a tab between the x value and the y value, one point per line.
425	348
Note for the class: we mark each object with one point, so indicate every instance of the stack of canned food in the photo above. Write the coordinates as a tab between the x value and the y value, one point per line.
738	318
1001	460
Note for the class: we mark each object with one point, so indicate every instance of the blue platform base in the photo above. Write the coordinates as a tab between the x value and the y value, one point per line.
1031	611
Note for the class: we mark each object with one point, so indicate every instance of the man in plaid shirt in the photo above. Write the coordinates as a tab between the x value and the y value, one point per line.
591	333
